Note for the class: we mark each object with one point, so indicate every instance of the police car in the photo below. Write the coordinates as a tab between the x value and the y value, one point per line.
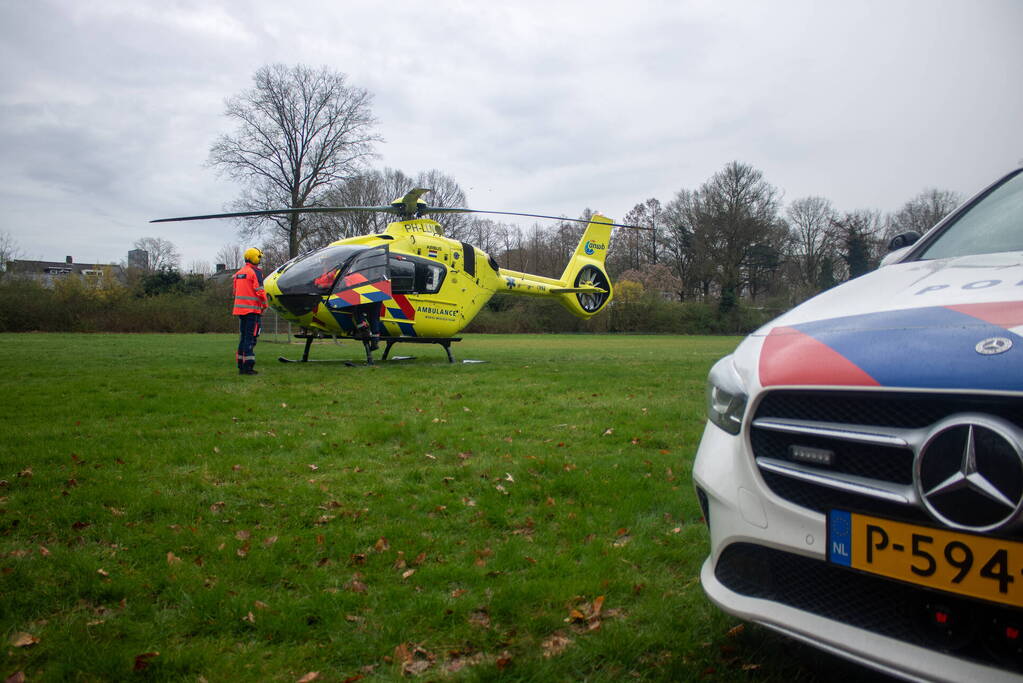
861	471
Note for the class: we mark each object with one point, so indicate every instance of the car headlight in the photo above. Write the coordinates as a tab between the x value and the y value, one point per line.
726	396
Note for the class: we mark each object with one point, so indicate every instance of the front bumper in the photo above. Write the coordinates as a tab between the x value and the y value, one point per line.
767	565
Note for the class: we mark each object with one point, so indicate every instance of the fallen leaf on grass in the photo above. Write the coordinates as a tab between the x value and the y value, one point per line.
269	541
408	573
103	573
414	659
18	677
381	545
310	677
142	661
356	585
736	631
250	617
172	558
480	617
555	644
24	640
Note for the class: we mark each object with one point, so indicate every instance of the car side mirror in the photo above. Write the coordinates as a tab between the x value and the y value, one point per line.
903	240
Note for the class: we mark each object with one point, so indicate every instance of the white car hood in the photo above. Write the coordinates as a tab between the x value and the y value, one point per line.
947	324
917	284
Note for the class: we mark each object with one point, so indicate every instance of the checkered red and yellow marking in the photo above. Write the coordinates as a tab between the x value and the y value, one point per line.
357	291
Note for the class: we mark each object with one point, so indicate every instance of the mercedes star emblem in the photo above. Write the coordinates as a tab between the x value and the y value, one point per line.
993	346
969	473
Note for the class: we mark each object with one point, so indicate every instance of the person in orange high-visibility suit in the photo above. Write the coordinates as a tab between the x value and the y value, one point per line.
249	304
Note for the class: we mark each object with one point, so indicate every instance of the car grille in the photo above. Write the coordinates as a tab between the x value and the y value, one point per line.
882	606
870	467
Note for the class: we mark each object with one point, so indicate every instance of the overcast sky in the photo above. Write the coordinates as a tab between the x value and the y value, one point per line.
108	108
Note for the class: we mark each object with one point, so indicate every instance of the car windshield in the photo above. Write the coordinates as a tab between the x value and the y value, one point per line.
994	224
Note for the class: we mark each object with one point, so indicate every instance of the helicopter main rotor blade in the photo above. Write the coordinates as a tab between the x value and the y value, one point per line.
282	212
441	209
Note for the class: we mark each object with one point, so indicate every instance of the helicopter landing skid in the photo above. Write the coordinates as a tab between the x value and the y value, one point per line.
443	341
391	341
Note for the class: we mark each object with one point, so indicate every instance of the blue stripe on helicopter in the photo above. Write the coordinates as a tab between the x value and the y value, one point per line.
933	347
407	329
397	313
344	320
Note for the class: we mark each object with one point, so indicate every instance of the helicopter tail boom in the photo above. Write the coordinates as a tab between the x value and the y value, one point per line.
584	288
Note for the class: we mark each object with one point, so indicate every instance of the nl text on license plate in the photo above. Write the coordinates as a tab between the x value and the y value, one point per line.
967	564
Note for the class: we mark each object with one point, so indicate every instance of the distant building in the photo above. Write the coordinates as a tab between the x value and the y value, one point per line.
138	258
47	272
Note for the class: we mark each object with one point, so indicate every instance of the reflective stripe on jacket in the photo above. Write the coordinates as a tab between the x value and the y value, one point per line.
249	296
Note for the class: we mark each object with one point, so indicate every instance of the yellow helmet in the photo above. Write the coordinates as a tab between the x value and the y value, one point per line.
253	255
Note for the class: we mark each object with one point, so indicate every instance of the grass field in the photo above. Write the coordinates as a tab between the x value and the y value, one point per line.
527	518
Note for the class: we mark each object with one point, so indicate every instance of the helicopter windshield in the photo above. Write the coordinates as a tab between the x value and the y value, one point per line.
316	272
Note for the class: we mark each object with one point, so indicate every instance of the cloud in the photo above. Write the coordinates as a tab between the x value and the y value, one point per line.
108	108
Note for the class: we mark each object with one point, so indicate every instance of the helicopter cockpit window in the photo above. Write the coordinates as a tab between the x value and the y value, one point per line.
316	272
368	266
413	275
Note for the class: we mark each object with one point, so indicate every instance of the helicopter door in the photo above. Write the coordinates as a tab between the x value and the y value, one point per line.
363	281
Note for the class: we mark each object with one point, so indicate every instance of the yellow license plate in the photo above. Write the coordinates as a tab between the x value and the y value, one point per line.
952	561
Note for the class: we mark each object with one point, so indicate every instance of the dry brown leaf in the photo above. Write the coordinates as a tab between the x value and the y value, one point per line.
309	677
142	661
244	550
172	558
356	585
736	630
243	535
555	644
103	572
269	541
24	640
408	573
381	545
16	677
259	604
250	617
480	617
44	551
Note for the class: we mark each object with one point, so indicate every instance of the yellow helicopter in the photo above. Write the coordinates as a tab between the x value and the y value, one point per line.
410	284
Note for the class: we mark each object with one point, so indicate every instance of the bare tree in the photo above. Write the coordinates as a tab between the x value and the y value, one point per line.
9	251
163	255
814	244
922	212
231	255
731	213
299	131
199	267
380	188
